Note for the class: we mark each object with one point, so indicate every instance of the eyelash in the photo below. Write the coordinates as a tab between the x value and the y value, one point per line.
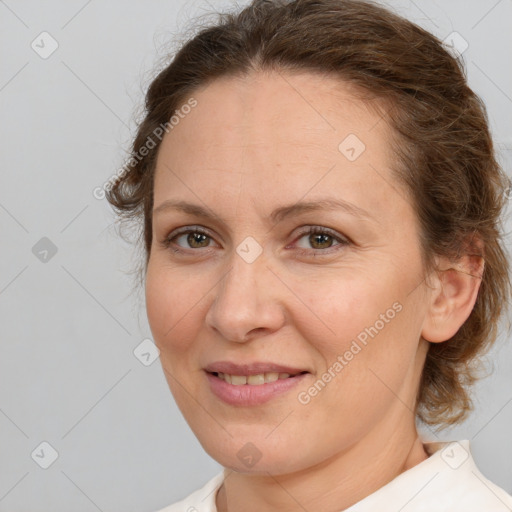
168	243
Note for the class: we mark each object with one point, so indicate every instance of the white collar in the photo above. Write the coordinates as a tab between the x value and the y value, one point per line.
447	481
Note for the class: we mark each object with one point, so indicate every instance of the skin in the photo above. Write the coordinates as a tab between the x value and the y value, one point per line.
250	145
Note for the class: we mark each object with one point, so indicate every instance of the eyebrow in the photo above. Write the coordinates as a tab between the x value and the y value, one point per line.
277	215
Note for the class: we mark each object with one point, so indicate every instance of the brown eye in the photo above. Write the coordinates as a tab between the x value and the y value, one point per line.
197	240
187	239
320	240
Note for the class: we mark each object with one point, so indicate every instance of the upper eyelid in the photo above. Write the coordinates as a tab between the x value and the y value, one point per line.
187	230
303	231
191	228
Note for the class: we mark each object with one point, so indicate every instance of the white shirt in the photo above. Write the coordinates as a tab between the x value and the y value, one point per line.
448	481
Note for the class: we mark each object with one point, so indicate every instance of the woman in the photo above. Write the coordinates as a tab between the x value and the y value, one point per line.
320	207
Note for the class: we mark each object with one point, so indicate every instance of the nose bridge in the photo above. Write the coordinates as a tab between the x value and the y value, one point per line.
244	301
239	288
245	273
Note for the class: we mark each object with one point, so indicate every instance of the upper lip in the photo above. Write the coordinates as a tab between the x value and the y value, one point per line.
253	368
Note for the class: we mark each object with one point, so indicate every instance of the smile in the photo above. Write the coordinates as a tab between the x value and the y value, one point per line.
251	390
252	380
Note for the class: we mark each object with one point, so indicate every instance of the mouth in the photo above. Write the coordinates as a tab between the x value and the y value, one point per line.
257	379
251	384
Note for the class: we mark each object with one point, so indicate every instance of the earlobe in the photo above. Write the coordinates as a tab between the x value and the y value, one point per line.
453	296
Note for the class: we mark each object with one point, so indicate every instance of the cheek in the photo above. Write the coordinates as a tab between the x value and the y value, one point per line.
364	364
366	321
339	308
172	305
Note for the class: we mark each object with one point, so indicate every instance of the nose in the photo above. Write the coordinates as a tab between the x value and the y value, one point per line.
247	303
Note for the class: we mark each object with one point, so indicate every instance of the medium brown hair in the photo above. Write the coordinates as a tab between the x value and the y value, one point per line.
444	152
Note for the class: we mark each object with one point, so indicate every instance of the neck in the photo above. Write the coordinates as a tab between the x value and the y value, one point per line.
334	484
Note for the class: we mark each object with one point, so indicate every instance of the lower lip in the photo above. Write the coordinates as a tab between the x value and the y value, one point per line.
247	394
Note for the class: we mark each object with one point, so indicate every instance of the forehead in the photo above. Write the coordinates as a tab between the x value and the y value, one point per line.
276	133
292	106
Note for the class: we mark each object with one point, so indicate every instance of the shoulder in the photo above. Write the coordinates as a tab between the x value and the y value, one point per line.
201	500
456	483
448	481
462	484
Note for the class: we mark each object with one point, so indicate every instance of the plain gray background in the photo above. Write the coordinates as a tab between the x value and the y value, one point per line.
69	375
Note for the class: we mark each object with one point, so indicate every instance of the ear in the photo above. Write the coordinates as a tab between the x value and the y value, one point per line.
454	289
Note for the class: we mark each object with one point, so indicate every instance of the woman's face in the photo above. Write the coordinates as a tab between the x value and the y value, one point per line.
254	289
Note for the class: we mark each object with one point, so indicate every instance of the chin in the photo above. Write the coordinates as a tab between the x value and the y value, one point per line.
258	457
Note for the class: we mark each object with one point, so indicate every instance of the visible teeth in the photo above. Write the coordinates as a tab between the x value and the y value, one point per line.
238	380
253	380
256	380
